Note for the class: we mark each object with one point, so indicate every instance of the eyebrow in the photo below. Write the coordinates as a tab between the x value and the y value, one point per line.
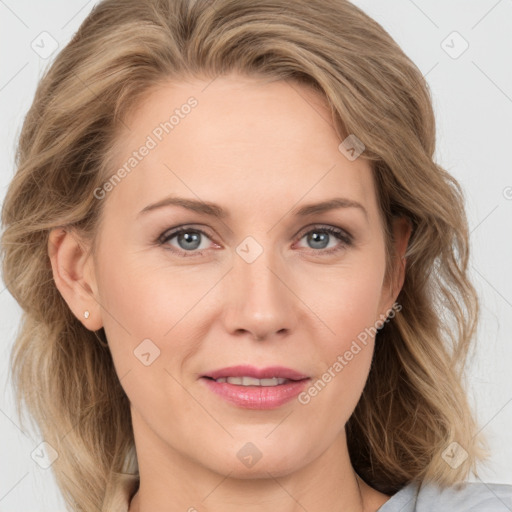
214	210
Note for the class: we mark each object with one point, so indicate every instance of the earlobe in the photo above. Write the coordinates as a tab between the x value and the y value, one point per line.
74	276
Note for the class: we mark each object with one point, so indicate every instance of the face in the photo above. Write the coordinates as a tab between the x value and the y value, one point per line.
271	282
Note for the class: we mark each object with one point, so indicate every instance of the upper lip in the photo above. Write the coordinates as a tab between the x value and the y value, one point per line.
257	373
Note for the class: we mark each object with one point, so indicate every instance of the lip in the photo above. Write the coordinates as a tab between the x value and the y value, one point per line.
256	397
258	373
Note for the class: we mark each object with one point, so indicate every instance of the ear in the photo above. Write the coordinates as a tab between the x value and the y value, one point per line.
402	228
73	273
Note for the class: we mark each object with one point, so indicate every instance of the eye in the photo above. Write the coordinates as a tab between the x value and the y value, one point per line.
320	236
188	240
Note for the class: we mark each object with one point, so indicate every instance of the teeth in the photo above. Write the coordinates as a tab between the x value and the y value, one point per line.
251	381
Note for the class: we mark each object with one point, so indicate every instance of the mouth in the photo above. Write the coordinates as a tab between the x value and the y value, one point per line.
252	388
265	375
251	381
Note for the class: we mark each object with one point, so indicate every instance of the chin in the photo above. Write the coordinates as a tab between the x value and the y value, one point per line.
250	462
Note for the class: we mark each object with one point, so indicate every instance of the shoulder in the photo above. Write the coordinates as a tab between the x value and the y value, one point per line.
469	496
464	497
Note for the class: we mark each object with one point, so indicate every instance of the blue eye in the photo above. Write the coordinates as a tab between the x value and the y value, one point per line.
320	236
189	240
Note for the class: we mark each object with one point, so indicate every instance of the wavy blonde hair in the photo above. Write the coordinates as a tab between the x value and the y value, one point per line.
414	403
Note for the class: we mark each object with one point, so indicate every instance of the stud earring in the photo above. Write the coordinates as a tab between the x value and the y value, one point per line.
86	314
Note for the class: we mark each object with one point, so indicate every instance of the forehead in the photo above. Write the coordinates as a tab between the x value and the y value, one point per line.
238	140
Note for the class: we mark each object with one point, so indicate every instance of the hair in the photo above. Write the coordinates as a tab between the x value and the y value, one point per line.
414	403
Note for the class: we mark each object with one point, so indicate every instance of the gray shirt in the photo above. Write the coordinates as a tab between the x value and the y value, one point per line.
467	497
470	497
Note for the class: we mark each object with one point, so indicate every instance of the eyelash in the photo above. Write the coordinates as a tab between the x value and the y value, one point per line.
341	235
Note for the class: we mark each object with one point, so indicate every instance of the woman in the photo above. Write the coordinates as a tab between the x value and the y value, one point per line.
244	278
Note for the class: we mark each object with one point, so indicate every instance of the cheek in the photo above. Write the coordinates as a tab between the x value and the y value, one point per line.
347	299
141	294
348	305
149	311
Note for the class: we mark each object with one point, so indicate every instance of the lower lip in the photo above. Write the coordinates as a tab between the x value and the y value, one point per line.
257	397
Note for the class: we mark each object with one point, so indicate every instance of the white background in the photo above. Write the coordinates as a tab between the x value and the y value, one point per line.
473	102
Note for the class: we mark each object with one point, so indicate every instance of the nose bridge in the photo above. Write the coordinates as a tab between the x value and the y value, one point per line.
261	282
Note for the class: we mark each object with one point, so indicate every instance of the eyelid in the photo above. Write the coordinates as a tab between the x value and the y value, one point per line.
171	232
326	227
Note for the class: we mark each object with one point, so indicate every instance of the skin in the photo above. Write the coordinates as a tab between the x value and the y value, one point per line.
259	150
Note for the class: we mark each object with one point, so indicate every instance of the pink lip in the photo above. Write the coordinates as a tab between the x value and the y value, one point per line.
257	397
257	373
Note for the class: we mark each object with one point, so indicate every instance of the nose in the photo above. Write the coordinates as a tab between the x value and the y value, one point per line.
259	301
